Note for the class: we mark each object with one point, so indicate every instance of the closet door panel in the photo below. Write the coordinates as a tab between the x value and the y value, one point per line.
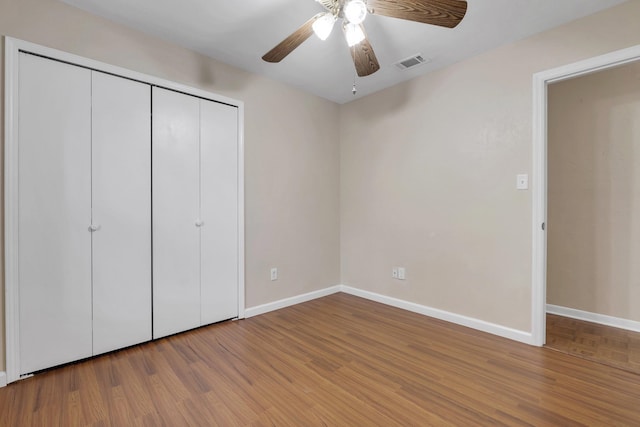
176	239
54	181
121	182
219	211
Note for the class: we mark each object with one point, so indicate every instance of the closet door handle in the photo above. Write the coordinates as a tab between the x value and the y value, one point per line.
93	228
199	223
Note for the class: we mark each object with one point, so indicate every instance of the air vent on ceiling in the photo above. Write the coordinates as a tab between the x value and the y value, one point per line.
411	62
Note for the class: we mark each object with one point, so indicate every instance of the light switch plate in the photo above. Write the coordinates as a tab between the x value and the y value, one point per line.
522	182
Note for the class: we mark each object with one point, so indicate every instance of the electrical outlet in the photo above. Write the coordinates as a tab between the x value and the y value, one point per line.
274	273
394	273
402	273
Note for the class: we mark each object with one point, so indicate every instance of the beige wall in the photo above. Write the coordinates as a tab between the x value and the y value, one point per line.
428	173
291	156
594	193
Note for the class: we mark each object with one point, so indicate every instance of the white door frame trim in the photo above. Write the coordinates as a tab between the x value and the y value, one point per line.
539	216
13	47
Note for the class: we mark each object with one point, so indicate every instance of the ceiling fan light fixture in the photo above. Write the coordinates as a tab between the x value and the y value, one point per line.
353	33
323	25
355	11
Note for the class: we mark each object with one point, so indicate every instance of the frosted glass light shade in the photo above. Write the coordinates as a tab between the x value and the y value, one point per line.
355	11
323	26
353	34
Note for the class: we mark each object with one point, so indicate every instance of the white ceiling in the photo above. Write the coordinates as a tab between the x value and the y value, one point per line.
240	32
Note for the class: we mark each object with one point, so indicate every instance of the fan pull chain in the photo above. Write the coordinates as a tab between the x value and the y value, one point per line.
354	90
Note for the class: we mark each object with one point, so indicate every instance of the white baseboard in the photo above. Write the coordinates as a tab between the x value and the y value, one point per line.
276	305
481	325
3	379
502	331
602	319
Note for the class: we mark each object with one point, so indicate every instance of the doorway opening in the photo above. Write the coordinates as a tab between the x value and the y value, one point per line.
593	203
572	322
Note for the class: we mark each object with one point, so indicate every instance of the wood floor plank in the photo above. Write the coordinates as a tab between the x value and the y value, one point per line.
603	344
335	361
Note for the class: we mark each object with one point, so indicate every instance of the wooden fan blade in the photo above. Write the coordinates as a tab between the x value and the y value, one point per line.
445	13
286	46
364	58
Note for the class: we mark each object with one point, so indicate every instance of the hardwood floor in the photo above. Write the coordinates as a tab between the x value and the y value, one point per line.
335	361
603	344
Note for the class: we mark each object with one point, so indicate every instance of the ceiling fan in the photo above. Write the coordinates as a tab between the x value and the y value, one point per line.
444	13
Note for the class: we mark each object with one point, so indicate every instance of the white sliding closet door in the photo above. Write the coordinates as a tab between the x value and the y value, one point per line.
176	237
121	162
54	181
219	211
